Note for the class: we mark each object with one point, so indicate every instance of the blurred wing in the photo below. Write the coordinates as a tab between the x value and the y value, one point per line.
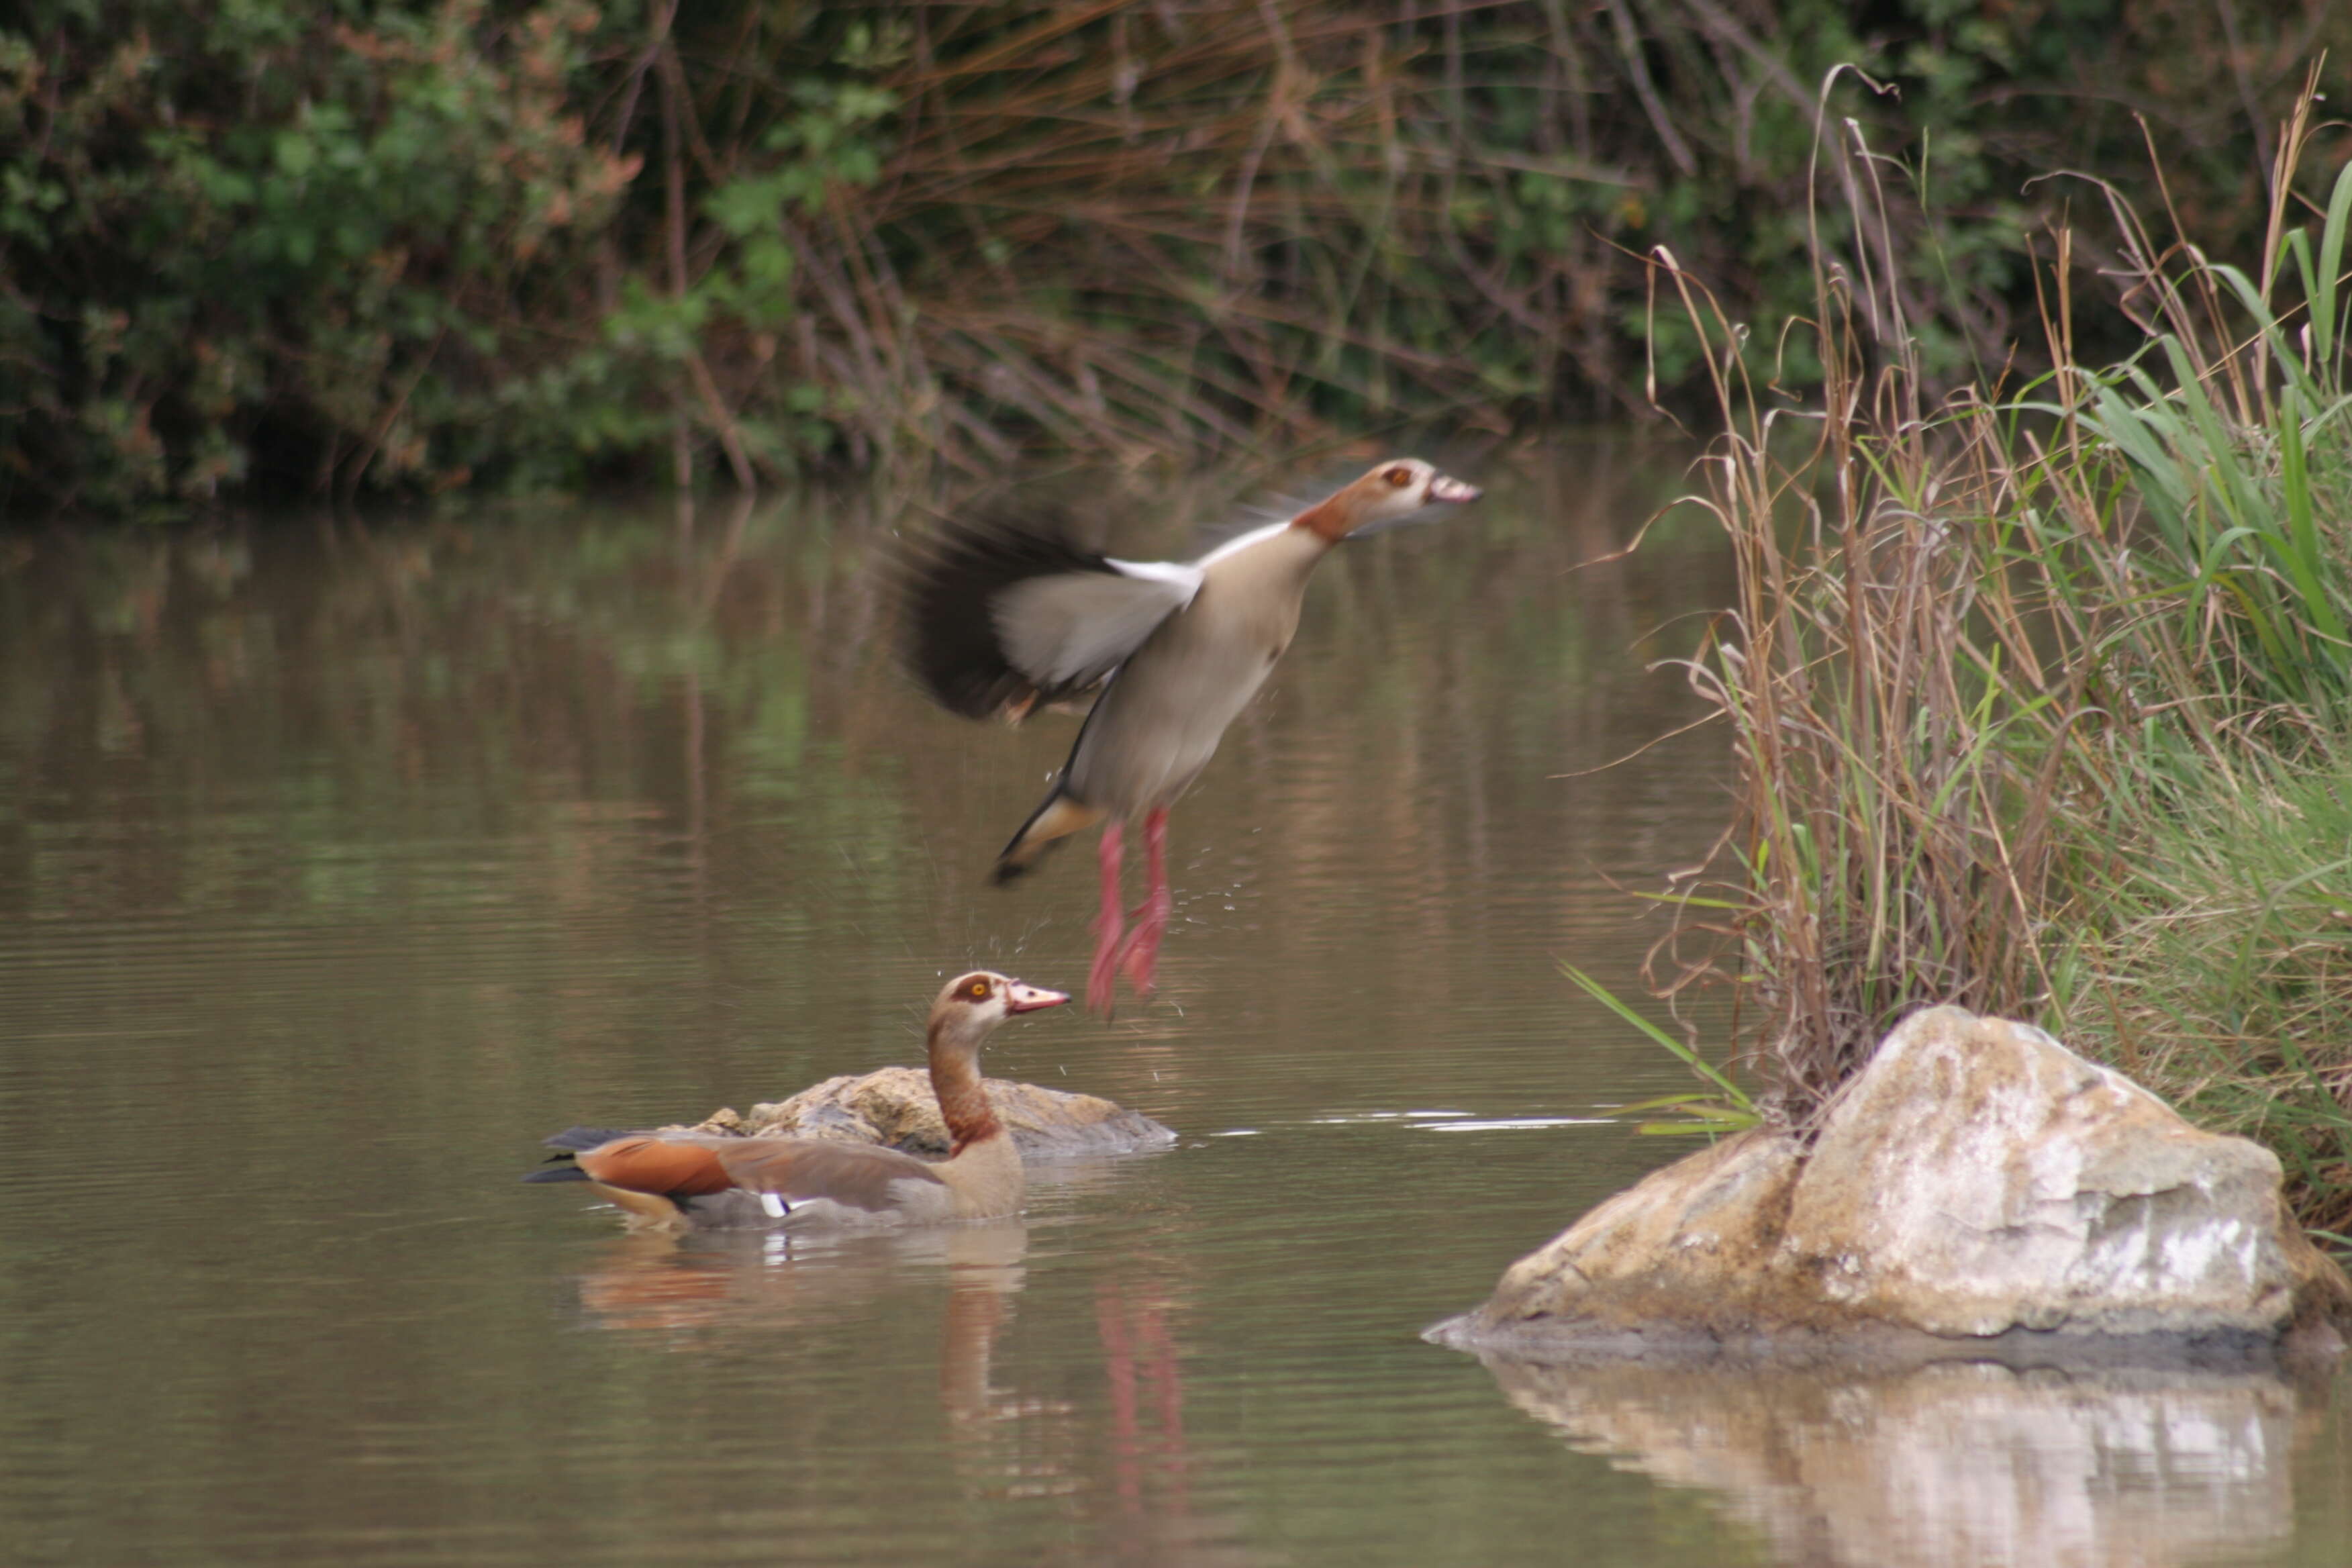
1068	631
1001	617
856	1175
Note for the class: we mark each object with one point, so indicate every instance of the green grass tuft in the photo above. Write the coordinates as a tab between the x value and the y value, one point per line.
2041	696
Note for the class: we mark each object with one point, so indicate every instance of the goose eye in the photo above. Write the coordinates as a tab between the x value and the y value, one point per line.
1400	478
977	990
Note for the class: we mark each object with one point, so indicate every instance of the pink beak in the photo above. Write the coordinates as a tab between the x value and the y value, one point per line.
1020	997
1445	486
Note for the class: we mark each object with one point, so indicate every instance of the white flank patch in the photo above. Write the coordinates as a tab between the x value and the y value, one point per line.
774	1206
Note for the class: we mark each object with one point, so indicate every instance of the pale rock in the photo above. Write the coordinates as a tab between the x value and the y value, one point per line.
1980	1176
1975	1179
1658	1252
895	1106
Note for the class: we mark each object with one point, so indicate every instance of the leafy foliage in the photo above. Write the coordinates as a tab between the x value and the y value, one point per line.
409	244
267	236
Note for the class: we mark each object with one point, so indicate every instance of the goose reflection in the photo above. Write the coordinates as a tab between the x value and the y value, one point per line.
1954	1464
1094	1431
1144	1511
704	1283
1147	1396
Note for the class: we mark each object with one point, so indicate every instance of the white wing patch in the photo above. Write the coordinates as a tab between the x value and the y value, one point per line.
1075	627
1239	543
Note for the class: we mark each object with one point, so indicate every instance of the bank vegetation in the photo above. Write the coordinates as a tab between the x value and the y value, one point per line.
261	249
2039	685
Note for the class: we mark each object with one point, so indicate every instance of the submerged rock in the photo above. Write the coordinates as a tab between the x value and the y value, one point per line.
1975	1179
895	1106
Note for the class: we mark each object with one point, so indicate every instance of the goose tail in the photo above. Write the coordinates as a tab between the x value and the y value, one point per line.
1061	815
580	1140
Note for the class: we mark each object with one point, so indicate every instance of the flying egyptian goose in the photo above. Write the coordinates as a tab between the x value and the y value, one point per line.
1001	619
696	1182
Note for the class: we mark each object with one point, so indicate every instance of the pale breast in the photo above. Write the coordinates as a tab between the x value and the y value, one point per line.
1161	721
986	1180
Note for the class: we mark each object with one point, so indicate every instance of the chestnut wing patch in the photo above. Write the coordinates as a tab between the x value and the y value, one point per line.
644	1164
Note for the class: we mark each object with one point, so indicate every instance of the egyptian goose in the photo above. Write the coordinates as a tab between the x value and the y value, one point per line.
686	1180
1001	619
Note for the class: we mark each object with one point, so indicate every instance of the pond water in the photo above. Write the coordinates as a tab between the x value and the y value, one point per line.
338	865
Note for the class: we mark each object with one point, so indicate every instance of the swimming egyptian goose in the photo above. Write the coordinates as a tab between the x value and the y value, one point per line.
1001	619
691	1181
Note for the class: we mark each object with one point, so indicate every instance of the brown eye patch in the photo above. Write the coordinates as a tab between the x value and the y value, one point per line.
1400	478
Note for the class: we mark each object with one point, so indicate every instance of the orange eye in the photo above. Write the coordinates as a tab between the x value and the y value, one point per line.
1400	478
979	990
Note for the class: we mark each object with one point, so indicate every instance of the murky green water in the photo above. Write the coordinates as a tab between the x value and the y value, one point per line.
338	866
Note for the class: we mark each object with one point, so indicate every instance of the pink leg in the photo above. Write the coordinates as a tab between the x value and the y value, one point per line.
1102	980
1140	953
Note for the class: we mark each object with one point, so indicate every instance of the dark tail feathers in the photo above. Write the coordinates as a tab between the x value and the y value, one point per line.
1060	816
573	1140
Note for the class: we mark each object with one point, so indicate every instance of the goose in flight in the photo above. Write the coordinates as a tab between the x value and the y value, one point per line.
1002	618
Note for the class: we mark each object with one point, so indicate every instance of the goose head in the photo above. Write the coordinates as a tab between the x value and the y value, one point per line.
970	1006
1388	494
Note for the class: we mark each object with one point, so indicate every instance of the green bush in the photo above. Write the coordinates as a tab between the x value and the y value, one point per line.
250	247
251	243
2220	970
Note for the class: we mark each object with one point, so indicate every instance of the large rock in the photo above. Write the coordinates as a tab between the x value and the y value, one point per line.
1976	1179
895	1106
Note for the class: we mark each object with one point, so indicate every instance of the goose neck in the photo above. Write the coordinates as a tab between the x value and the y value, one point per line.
963	1103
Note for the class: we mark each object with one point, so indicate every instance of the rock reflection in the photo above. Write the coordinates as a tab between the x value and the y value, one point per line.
1954	1464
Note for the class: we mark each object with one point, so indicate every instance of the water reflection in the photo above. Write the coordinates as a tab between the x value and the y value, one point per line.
339	863
1114	1464
703	1282
1956	1465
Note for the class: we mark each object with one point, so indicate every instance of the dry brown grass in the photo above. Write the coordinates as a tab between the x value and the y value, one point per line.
2039	695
